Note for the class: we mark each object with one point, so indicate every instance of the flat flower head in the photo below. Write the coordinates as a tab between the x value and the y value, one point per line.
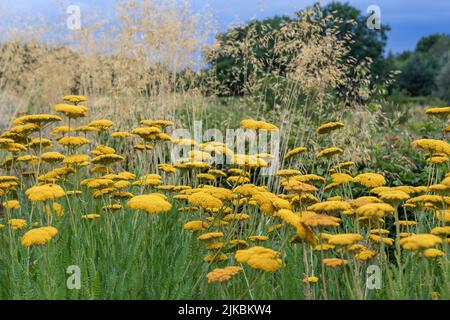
328	127
17	224
71	111
151	203
45	192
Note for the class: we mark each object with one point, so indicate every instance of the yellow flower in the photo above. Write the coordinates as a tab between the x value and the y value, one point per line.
320	221
17	224
329	206
159	123
258	238
287	172
260	258
74	98
433	253
152	203
38	236
210	235
344	239
441	231
76	159
324	247
11	204
120	134
329	152
37	119
196	225
205	200
379	239
236	216
71	111
370	180
210	258
90	216
167	168
311	279
443	111
258	125
105	159
52	157
433	145
365	255
101	124
334	262
328	127
294	152
73	141
221	275
393	196
375	209
45	192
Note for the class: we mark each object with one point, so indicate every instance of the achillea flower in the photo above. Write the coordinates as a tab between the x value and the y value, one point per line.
38	119
287	172
38	236
210	258
258	238
370	180
158	123
258	125
197	225
73	141
365	255
393	196
205	200
106	159
375	210
328	127
210	235
311	279
221	275
25	129
334	262
236	217
379	239
441	231
52	157
71	111
102	149
442	215
75	98
17	224
101	124
345	239
329	152
167	168
87	129
112	207
294	152
320	221
433	253
76	159
120	134
324	247
11	204
433	145
330	206
442	112
90	216
206	176
45	192
379	231
260	258
152	203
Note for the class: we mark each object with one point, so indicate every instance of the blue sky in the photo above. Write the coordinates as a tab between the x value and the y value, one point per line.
409	19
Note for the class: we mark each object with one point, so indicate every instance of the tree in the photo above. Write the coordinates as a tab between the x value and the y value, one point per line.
443	83
366	43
